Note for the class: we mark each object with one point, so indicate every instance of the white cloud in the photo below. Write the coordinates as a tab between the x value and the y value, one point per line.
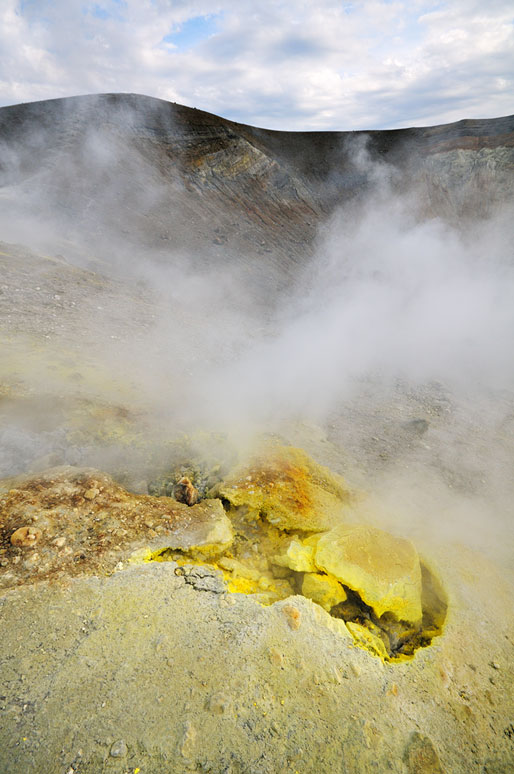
297	65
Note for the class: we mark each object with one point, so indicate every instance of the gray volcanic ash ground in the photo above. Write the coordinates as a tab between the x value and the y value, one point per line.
172	280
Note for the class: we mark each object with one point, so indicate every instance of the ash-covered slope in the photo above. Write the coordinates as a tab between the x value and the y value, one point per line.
161	175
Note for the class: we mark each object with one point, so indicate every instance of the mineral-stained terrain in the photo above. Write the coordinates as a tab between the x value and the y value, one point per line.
337	596
288	527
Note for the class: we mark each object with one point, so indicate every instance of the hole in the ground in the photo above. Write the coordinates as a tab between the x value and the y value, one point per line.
389	599
399	639
279	526
256	564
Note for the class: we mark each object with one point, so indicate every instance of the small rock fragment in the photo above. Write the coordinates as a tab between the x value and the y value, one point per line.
372	735
276	657
25	537
188	740
118	749
185	492
417	426
218	703
445	675
323	589
292	615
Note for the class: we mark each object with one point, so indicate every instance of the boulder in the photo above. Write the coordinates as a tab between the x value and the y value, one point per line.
384	570
286	487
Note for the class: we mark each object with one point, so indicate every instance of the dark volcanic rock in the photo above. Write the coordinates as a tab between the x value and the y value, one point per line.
176	178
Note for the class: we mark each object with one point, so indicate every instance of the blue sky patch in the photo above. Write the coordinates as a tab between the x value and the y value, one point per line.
99	12
193	31
107	10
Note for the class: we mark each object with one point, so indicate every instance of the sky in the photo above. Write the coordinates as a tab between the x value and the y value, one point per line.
280	64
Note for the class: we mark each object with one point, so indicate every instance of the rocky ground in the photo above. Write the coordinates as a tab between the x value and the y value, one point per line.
153	671
163	666
141	635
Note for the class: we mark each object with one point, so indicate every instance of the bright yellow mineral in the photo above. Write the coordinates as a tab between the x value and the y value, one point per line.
323	589
382	569
298	557
368	640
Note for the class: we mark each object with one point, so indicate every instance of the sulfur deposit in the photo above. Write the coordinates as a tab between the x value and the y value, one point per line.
268	529
252	636
383	569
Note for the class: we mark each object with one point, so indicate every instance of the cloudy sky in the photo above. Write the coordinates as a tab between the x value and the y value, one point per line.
283	64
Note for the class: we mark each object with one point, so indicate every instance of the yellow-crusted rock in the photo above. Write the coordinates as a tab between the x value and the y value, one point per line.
298	557
323	589
206	535
382	569
368	640
239	569
289	489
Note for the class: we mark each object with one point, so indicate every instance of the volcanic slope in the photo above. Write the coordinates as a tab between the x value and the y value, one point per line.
161	175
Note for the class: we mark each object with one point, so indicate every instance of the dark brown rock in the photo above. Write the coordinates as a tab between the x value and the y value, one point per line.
185	492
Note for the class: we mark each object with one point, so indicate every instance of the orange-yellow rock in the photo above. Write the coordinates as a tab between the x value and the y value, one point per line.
25	537
289	489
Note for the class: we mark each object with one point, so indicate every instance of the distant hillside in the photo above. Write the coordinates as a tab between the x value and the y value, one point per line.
166	176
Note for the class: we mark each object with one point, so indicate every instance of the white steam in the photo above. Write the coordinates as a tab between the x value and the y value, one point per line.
385	297
214	341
